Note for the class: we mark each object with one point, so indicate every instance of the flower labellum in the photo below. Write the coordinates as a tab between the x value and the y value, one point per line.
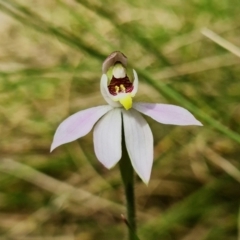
118	89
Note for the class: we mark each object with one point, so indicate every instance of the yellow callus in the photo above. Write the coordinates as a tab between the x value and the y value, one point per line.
126	101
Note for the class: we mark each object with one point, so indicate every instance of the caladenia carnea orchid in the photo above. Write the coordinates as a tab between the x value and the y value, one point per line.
120	131
118	88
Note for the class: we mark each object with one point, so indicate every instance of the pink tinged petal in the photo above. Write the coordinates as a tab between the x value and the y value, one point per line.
167	114
105	92
78	125
135	83
112	59
139	143
108	138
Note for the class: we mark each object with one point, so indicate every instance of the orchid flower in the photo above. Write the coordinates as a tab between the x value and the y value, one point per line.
118	89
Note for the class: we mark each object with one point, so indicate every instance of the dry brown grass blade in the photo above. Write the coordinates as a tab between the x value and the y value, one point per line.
66	237
198	232
88	200
200	65
43	214
221	41
223	163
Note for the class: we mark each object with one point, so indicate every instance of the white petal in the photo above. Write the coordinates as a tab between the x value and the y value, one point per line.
105	92
135	83
78	125
167	114
108	138
139	143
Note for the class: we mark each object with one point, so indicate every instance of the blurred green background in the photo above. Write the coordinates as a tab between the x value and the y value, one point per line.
50	66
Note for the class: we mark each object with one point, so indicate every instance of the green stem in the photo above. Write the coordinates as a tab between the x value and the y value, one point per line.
127	174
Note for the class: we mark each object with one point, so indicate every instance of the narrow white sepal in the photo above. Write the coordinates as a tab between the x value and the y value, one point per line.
167	114
108	138
105	92
78	125
139	143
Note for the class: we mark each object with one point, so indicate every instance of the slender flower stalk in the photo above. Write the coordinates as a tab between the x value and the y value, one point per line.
127	175
118	87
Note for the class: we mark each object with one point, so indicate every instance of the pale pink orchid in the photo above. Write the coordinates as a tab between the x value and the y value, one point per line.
118	90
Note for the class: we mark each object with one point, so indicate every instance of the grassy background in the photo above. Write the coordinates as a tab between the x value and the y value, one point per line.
50	66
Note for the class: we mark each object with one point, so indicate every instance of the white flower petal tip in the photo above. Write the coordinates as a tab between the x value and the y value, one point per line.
146	182
52	147
198	123
114	57
139	143
107	137
146	178
78	125
167	114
